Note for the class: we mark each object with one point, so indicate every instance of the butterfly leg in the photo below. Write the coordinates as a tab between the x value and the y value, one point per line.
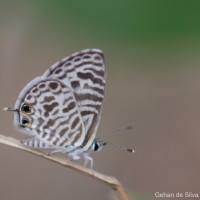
88	159
74	156
53	152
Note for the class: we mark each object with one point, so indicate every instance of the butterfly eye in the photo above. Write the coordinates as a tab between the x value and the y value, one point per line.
96	146
25	123
26	108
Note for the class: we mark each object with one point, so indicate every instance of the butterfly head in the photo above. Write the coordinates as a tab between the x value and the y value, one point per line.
97	145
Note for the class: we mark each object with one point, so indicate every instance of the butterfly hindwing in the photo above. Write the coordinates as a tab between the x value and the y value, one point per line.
55	118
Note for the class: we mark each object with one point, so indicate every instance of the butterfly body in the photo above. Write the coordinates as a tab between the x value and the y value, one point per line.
61	109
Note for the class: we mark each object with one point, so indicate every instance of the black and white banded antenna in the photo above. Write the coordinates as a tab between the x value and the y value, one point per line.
117	130
118	146
98	144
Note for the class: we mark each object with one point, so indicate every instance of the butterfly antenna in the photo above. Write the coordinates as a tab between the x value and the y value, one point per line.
116	130
119	146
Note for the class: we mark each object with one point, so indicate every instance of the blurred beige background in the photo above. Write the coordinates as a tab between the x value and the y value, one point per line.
152	60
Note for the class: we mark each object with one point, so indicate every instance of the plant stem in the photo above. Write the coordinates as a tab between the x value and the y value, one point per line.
110	181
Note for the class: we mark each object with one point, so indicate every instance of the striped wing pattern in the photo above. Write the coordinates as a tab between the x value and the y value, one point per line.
56	119
85	73
61	109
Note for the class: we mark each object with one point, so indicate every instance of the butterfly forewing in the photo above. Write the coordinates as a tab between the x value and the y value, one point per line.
85	73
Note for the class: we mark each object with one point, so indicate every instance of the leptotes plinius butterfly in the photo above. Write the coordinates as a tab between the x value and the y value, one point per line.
60	110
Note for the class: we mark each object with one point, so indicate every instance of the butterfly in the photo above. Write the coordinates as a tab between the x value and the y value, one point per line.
61	109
